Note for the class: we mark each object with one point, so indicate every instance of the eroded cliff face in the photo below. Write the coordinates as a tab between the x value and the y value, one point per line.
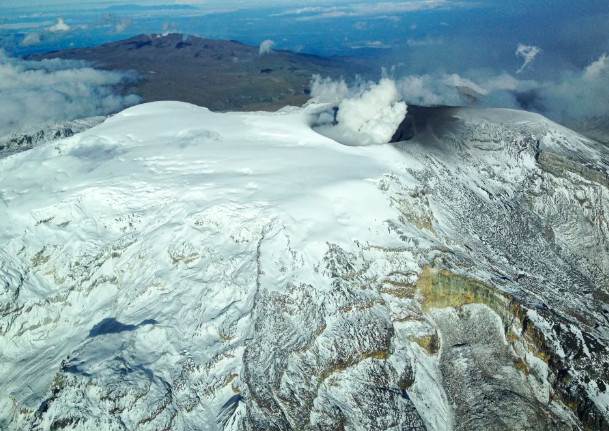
471	322
464	287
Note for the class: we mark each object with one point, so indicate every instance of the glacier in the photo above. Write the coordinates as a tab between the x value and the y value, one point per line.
177	268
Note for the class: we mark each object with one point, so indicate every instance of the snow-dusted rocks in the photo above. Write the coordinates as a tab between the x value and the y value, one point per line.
22	141
174	268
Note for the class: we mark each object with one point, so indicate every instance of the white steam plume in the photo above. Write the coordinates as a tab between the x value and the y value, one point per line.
576	98
327	90
528	53
122	25
368	114
266	47
31	39
59	27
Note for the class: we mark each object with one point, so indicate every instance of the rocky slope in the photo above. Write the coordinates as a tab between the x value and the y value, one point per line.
173	268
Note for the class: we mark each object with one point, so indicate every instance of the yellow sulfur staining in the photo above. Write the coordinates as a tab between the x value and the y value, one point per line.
380	355
544	356
422	222
512	336
225	337
430	343
519	364
40	258
343	364
443	289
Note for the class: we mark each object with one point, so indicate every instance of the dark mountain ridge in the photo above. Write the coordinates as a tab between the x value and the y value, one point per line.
218	74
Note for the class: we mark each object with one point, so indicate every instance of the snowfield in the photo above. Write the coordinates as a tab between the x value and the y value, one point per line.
176	268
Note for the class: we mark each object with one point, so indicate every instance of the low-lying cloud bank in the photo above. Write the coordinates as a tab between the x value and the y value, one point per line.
38	93
365	9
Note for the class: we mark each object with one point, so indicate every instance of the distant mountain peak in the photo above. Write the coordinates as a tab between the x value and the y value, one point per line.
218	74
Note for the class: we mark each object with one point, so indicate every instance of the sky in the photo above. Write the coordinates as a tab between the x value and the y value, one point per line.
419	35
199	3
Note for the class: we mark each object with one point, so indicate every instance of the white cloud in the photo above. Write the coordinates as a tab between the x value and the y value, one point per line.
528	53
434	89
502	82
59	27
122	25
439	90
24	25
425	90
170	27
465	86
572	99
579	96
371	44
597	68
31	39
266	47
455	90
361	25
35	94
369	9
428	41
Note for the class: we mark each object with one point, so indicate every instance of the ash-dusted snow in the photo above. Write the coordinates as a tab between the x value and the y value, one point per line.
175	268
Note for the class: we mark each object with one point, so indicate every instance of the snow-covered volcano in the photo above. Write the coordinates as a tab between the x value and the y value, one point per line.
175	268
